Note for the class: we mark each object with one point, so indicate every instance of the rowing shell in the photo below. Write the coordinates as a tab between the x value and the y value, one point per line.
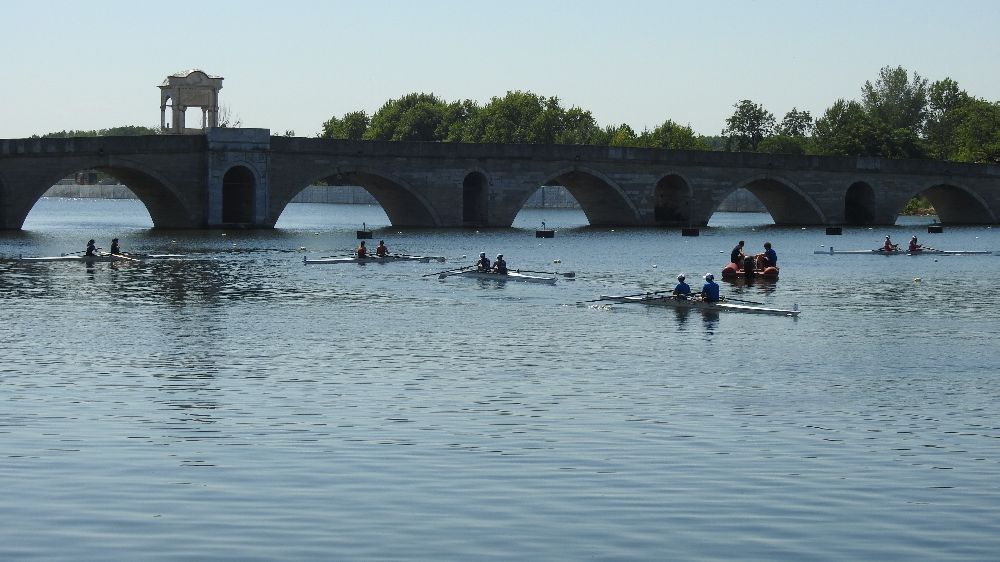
101	258
922	251
374	259
695	304
509	276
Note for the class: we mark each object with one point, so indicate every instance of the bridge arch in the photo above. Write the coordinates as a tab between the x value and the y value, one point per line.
786	203
475	198
403	204
602	200
166	208
672	200
859	204
955	204
239	195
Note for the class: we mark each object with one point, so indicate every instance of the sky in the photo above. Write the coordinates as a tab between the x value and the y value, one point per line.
291	65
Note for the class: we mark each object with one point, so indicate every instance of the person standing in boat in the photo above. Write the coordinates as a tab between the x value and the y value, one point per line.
500	266
888	246
484	263
710	290
91	248
682	290
380	250
913	246
736	256
361	252
115	248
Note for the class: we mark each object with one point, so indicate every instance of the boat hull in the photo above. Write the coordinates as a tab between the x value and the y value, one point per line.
694	304
510	276
373	259
732	271
925	251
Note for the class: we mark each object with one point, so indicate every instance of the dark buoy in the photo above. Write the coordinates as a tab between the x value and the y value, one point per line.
544	232
834	231
364	233
689	232
935	229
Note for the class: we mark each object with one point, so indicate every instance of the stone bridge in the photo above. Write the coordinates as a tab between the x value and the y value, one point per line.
246	178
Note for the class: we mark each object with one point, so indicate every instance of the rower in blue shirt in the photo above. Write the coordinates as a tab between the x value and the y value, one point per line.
682	290
710	290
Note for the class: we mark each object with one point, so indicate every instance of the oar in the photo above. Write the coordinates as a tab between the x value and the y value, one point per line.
567	274
448	272
605	298
741	300
119	256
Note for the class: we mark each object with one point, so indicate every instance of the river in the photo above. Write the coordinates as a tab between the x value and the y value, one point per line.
238	404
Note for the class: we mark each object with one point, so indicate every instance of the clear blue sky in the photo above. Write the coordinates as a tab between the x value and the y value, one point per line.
292	64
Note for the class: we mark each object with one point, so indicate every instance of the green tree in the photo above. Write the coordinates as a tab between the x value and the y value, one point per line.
897	101
351	126
945	103
796	124
413	117
621	135
977	134
672	136
748	125
518	117
843	130
578	127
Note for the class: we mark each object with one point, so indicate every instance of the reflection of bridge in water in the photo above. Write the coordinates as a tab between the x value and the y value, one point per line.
245	177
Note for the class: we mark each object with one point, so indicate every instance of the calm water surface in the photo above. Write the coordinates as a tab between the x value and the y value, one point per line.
241	405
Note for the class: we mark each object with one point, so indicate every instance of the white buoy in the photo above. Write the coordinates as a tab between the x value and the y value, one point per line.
557	260
917	280
654	266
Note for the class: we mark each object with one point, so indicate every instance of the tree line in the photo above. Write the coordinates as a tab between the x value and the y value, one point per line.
899	115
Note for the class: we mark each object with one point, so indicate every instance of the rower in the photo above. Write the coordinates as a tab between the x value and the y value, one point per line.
380	250
484	263
115	248
913	246
362	252
500	266
91	248
682	290
888	246
710	290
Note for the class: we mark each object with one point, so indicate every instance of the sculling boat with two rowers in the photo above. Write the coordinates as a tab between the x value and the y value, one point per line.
511	275
374	259
904	252
704	306
100	258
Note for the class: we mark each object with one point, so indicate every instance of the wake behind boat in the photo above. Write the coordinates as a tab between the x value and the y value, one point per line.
903	252
697	304
373	259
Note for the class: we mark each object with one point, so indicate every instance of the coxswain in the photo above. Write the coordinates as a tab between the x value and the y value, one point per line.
115	248
736	256
888	246
913	246
484	263
500	266
380	250
682	290
710	290
91	248
361	252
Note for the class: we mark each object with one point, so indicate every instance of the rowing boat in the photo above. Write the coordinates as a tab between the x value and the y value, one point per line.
502	277
100	258
687	304
373	259
904	252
